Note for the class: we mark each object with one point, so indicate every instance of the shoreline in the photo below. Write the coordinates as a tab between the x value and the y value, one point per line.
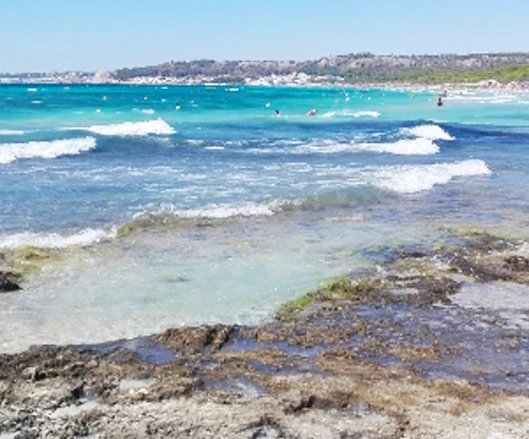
293	81
402	352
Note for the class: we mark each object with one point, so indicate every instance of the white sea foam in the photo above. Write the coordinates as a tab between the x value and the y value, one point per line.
349	113
430	131
157	126
45	149
148	111
417	146
417	178
55	240
12	132
221	211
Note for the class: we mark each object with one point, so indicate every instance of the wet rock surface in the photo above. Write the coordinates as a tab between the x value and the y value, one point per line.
392	355
8	282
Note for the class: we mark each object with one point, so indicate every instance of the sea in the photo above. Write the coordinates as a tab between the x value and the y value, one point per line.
163	206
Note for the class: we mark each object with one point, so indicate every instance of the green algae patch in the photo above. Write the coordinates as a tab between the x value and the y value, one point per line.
26	261
339	289
154	222
141	224
296	305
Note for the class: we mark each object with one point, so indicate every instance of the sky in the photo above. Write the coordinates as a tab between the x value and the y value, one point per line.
101	35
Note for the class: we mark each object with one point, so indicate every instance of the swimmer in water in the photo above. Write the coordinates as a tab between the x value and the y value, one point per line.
312	112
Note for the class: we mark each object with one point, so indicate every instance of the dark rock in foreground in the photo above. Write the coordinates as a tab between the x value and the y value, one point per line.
389	356
7	284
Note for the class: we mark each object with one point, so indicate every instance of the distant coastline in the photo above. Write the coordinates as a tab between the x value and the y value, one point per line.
491	70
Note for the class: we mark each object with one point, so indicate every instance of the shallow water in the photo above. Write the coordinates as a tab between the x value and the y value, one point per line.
227	210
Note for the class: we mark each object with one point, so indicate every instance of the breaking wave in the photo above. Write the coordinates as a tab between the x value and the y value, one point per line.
55	240
417	178
12	132
45	149
158	126
418	146
221	211
430	132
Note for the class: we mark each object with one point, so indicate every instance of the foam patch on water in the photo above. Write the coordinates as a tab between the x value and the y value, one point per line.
45	149
419	146
12	132
158	126
430	132
221	211
416	178
55	240
355	114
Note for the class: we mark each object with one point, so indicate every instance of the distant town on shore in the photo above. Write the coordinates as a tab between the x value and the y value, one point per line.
353	69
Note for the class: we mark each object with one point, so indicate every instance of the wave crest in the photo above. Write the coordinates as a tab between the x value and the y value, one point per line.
429	131
45	149
417	178
157	126
419	146
55	240
12	132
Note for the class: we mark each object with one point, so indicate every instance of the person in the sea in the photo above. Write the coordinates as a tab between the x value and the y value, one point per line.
277	114
312	112
439	101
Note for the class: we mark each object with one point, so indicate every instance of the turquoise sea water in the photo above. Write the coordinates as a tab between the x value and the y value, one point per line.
228	209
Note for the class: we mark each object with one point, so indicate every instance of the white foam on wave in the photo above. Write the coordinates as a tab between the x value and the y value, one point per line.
148	111
157	126
220	211
416	178
349	113
429	131
12	132
45	149
55	240
417	146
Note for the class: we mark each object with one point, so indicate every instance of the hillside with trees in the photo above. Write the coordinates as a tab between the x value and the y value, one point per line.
352	68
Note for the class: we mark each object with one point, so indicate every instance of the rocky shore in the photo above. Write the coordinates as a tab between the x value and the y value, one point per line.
434	344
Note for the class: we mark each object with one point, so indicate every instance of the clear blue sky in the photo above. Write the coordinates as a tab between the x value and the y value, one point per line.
59	35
